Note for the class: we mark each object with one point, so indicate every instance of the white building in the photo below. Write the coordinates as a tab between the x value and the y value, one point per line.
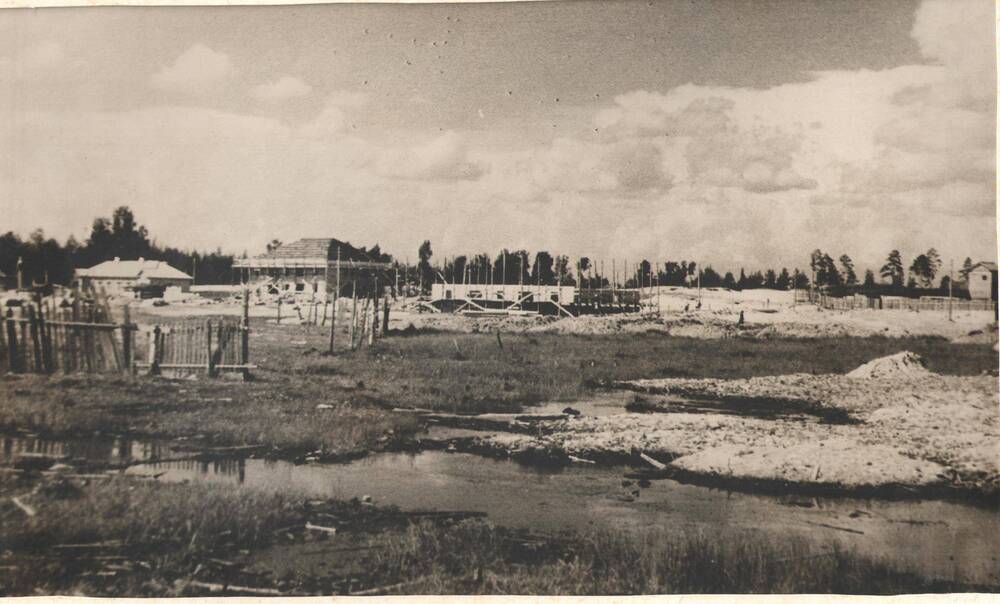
982	280
126	277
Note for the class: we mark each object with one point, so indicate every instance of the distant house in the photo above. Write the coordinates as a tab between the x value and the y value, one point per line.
982	280
311	266
129	277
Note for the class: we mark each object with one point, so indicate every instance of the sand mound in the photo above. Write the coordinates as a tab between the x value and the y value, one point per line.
904	364
837	461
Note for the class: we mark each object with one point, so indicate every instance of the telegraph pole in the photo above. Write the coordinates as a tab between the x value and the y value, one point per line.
951	281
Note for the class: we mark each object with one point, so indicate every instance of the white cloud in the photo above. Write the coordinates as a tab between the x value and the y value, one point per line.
444	157
195	71
855	162
282	89
38	61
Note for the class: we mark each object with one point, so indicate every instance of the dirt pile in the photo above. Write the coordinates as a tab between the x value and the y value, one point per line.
904	364
889	423
835	461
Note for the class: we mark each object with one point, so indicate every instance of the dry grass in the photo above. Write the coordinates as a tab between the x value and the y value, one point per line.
174	529
453	372
474	557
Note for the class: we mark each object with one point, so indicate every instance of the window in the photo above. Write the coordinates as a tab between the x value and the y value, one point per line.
447	294
475	293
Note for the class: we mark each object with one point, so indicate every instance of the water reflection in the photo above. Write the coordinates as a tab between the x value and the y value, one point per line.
94	450
939	539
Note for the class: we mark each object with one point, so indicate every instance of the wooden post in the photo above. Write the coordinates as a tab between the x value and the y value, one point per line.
951	278
126	328
35	340
245	336
279	308
208	348
354	311
13	360
371	334
46	336
154	351
385	316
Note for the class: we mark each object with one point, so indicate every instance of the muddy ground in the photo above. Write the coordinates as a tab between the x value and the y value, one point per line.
749	412
891	427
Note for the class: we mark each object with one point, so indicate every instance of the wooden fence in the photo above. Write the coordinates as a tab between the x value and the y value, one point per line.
892	302
42	336
209	346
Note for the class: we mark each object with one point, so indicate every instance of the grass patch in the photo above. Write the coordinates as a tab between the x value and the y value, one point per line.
173	533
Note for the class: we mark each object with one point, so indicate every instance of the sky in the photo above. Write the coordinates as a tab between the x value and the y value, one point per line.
733	133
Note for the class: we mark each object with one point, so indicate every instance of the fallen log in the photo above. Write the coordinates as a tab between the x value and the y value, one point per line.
385	589
836	528
322	529
656	464
219	587
27	509
95	545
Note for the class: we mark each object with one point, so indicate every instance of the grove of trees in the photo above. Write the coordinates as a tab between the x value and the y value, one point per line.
45	260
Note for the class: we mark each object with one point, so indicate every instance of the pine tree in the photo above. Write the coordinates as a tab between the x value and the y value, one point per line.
893	268
784	281
966	268
850	278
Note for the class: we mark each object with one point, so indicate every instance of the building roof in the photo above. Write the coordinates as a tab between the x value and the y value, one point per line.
323	247
132	269
991	266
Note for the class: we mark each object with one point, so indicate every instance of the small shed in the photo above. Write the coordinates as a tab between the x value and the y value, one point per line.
982	278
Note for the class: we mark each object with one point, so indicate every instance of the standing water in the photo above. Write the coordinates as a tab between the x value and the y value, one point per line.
936	539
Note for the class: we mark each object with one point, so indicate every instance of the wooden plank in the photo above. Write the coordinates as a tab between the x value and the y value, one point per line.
12	347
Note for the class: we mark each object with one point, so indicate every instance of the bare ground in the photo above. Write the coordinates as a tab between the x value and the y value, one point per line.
906	431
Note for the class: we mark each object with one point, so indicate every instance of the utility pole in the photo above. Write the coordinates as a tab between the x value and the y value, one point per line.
951	280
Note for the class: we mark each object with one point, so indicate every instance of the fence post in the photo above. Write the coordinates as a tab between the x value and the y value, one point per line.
371	336
13	360
154	351
126	328
208	346
46	336
385	316
35	342
245	336
279	311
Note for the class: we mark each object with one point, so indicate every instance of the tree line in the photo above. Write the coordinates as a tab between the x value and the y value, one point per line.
922	273
513	267
43	259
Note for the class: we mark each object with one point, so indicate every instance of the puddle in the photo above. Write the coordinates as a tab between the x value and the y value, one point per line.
755	407
97	450
612	403
944	540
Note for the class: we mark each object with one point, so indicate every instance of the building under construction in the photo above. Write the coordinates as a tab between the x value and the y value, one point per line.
313	267
512	299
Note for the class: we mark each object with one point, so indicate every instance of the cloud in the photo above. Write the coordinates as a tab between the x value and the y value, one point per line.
714	148
332	118
196	70
282	89
444	157
852	161
37	61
